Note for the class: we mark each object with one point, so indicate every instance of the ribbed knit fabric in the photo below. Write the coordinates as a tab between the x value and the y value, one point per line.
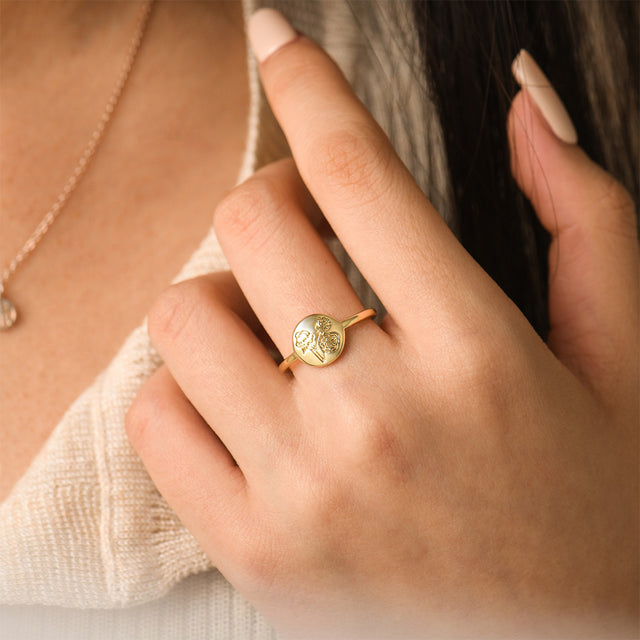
85	528
201	607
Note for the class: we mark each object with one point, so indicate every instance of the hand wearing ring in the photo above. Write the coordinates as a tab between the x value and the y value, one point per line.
453	468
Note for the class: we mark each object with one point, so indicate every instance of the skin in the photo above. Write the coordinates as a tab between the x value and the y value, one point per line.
450	474
181	149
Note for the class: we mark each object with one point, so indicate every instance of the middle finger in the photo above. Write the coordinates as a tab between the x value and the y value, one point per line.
387	225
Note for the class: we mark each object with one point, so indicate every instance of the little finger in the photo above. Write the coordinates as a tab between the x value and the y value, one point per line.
187	462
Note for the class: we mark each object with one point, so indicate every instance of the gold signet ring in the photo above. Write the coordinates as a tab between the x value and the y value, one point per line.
318	339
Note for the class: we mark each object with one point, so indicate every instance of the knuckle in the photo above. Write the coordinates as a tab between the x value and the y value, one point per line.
376	445
258	556
478	366
141	417
487	375
617	205
354	158
323	513
174	309
251	213
384	451
481	361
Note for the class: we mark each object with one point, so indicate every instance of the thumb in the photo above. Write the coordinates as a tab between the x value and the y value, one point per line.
593	257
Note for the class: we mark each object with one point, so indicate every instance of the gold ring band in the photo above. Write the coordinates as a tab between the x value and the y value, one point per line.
318	339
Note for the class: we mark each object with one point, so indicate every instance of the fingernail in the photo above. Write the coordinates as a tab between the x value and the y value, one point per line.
530	77
268	31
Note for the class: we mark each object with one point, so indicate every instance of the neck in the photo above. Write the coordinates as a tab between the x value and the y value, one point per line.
59	63
29	30
49	52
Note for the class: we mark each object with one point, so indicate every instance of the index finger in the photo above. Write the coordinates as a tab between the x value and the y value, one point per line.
385	222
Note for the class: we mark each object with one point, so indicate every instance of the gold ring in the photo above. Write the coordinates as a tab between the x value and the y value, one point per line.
318	339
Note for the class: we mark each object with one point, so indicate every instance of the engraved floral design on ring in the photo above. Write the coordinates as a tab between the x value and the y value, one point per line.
321	341
318	339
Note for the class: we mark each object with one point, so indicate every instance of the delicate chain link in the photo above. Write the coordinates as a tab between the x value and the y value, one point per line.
90	150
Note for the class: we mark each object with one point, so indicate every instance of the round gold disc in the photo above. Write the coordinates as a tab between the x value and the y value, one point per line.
8	314
318	340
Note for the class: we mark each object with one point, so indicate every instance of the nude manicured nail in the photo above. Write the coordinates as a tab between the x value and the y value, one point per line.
268	31
530	77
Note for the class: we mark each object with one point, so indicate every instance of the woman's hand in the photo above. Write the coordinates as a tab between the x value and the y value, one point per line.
449	473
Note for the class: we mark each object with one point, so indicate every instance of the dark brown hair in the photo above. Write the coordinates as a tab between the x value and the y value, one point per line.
589	51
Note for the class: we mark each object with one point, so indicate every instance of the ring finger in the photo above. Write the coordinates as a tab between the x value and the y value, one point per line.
283	267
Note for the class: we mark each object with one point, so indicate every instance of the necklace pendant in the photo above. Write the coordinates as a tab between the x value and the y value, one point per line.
8	314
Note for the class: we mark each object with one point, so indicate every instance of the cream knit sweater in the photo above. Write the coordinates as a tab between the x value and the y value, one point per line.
85	529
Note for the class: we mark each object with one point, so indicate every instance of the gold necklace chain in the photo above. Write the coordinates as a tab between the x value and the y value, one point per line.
8	312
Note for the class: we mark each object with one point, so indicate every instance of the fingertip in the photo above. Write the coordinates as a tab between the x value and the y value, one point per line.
563	184
532	79
541	162
526	124
269	31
